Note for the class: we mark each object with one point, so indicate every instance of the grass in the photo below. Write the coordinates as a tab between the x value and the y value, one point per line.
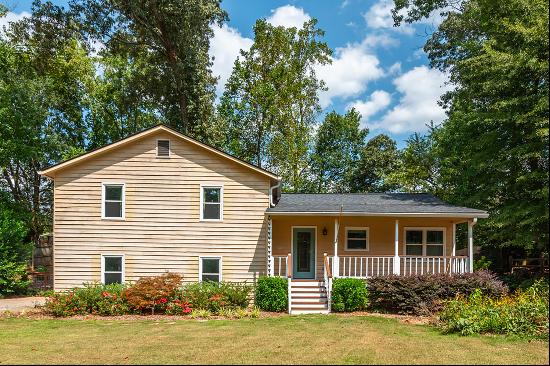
297	340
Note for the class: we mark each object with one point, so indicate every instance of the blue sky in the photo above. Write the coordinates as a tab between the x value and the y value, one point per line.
377	68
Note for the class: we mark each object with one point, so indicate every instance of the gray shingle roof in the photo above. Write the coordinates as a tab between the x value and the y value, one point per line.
370	203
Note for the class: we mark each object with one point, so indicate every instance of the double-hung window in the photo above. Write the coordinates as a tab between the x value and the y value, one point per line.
211	203
357	238
113	201
210	269
112	268
425	241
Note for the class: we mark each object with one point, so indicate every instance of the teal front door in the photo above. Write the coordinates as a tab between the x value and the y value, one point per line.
303	253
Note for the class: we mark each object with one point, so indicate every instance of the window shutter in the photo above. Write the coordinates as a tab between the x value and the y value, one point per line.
163	148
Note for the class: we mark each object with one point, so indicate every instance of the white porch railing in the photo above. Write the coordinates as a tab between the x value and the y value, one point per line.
370	266
433	265
361	267
280	265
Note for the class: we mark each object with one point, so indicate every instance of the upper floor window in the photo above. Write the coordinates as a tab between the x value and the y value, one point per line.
357	238
212	203
163	148
424	241
113	201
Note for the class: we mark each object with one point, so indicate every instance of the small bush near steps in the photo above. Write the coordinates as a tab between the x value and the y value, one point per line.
272	294
349	294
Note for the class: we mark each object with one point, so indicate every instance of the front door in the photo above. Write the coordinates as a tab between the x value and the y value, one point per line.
303	254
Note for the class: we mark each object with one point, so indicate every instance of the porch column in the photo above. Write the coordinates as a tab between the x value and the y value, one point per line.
471	244
396	262
270	259
453	253
336	261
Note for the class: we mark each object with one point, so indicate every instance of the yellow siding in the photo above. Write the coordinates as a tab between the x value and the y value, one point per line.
162	230
381	232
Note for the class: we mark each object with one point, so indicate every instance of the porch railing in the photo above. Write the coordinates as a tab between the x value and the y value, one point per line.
280	265
433	265
370	266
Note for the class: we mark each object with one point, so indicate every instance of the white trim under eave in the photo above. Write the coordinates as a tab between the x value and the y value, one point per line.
390	214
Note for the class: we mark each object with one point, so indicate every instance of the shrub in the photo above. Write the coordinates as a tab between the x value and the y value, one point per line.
482	263
349	294
524	313
13	278
272	293
178	307
93	298
214	296
424	294
153	293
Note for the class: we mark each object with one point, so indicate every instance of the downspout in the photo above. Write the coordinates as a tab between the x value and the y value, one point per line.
271	203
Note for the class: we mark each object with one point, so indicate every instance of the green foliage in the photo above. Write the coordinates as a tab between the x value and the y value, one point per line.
349	294
493	150
167	43
523	313
215	296
379	158
337	150
15	250
272	294
482	263
424	294
93	298
270	100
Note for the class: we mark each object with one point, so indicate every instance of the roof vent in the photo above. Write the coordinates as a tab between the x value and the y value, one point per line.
163	148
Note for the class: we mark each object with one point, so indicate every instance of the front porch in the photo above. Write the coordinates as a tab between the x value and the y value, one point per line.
309	247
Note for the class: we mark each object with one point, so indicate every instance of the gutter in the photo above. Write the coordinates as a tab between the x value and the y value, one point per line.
276	186
391	214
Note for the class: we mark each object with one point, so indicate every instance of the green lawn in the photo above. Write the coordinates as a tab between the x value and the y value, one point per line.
305	339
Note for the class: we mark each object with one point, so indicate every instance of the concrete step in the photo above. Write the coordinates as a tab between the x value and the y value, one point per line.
316	295
308	311
307	284
311	306
307	301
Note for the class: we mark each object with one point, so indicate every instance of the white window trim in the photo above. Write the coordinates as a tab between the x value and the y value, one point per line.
367	238
424	239
169	148
202	187
103	185
103	256
210	257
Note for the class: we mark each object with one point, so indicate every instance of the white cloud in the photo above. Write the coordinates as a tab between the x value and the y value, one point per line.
379	17
225	47
377	101
288	16
395	69
420	90
11	17
352	68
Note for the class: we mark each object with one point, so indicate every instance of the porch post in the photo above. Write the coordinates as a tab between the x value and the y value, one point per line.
270	259
471	245
396	262
336	261
453	253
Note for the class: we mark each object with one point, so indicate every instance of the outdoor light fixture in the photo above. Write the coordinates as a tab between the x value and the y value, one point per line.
325	231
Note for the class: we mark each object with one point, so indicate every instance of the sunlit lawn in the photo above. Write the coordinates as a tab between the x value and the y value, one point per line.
299	340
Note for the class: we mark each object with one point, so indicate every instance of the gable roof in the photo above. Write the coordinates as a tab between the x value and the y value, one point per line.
370	204
50	171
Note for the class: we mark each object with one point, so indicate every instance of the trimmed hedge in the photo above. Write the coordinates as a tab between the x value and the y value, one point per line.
424	294
349	294
272	293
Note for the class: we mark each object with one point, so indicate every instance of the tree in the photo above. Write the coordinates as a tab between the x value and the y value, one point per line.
378	159
44	71
271	99
168	40
494	145
337	151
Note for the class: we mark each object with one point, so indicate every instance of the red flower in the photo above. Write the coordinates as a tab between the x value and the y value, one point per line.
105	294
163	300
